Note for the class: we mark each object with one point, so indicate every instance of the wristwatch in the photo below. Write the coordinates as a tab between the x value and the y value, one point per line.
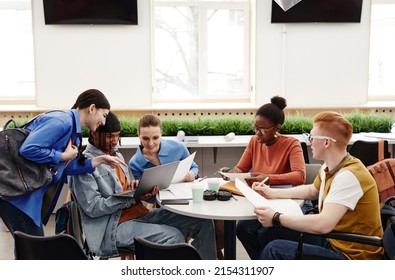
276	219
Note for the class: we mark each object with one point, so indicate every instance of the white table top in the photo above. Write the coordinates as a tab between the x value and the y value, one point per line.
237	208
241	209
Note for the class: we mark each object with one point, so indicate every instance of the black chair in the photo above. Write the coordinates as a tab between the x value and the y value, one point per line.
147	250
73	222
368	151
54	247
305	152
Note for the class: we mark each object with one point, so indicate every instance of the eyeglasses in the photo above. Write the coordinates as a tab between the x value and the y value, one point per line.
310	138
261	130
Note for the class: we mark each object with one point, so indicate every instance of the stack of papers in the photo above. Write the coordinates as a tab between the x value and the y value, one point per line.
176	191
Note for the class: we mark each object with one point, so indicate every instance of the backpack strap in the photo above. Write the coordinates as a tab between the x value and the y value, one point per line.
381	150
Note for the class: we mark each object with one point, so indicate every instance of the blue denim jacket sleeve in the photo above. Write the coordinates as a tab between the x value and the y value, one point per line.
93	191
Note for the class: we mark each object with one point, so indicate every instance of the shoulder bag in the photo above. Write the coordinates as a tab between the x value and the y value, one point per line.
19	176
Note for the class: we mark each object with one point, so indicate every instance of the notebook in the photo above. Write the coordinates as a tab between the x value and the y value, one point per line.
160	175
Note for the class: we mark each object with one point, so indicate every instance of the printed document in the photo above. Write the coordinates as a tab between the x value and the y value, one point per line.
183	168
286	206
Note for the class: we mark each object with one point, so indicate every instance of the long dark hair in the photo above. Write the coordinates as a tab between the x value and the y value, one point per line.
84	100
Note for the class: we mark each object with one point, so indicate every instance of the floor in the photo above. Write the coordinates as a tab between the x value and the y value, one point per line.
7	242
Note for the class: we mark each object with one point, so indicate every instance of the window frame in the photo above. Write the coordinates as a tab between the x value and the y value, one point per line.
249	6
15	97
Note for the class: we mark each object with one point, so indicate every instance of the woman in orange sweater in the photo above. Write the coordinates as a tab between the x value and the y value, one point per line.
268	154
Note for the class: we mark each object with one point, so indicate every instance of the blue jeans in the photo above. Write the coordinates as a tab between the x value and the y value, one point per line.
15	220
251	234
282	244
162	226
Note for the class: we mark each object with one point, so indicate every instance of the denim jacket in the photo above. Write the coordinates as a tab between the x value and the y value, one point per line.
99	210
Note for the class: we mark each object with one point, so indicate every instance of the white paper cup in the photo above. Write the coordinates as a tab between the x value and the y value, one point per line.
197	193
213	184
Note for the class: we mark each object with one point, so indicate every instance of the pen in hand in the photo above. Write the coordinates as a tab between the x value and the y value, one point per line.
260	186
201	179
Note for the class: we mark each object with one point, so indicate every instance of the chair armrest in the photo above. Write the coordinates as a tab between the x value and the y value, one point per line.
354	237
346	236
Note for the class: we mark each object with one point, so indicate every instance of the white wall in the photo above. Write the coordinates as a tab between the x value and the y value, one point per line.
309	64
72	58
312	64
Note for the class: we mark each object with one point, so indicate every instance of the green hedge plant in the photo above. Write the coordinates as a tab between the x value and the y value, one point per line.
294	124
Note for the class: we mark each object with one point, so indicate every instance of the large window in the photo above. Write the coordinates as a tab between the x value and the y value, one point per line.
16	51
201	50
382	55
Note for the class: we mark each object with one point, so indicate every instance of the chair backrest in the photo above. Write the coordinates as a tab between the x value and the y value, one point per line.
54	247
147	250
311	172
305	152
389	241
368	151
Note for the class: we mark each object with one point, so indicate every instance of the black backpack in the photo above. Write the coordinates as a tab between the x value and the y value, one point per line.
68	220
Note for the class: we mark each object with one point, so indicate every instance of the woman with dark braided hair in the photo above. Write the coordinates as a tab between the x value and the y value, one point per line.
54	140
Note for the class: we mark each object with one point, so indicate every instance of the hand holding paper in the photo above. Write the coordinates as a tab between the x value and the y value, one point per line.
183	169
233	176
286	206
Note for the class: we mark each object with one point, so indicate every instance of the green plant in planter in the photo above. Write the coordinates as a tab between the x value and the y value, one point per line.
207	126
369	122
294	124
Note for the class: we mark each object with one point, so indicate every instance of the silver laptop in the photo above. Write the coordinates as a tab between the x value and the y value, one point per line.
160	175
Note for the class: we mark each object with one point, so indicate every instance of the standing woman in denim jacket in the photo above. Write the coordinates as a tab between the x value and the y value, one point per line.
55	139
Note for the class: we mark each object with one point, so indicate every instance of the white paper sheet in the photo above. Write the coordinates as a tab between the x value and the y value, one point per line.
233	176
183	169
176	191
286	206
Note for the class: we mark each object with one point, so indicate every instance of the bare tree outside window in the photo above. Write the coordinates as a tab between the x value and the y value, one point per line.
201	51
